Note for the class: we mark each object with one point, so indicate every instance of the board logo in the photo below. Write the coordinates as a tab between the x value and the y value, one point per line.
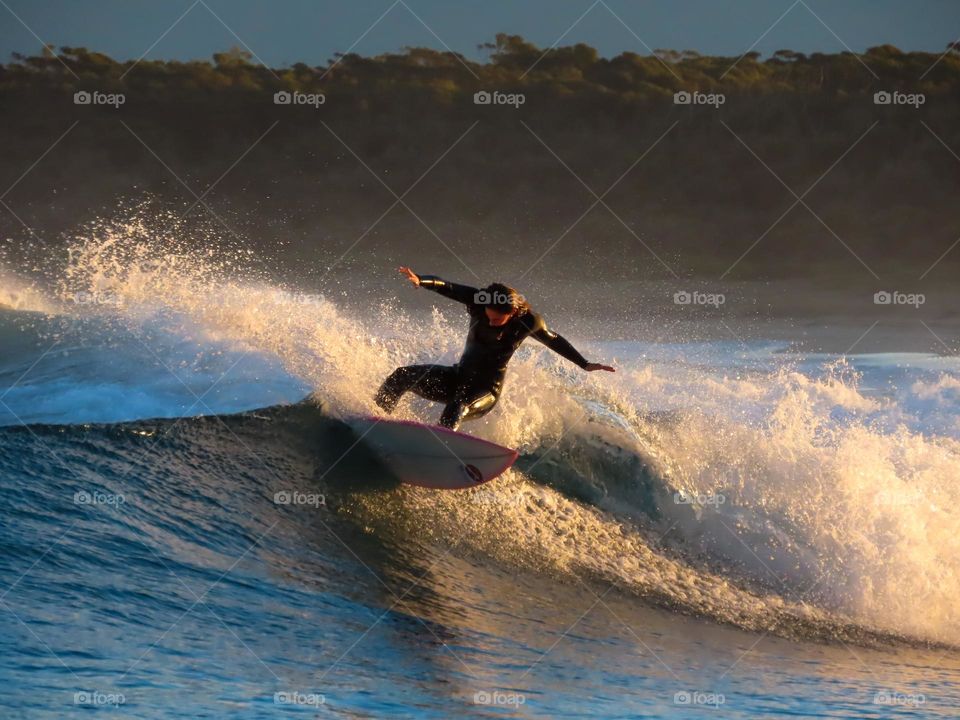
473	472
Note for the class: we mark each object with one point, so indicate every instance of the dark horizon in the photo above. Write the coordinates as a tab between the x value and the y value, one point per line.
313	32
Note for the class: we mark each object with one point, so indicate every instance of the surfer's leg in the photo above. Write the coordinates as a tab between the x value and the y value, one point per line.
469	408
433	382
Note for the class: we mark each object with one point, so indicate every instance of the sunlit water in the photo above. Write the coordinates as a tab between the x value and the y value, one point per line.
721	527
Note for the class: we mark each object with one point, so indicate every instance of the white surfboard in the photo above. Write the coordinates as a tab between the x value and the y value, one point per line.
433	456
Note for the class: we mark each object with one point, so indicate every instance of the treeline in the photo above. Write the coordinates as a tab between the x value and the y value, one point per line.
711	181
514	63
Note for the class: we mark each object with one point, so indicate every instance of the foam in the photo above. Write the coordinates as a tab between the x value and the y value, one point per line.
839	501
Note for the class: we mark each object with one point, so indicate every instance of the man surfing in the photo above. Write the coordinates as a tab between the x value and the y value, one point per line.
500	320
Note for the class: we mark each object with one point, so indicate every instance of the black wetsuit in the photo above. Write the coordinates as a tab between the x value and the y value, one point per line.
472	387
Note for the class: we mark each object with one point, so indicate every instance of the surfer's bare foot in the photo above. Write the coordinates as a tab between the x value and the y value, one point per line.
590	367
411	275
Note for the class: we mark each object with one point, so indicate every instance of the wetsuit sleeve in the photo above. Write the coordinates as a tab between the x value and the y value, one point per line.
557	343
461	293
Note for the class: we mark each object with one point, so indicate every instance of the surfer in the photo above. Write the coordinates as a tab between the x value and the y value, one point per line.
500	319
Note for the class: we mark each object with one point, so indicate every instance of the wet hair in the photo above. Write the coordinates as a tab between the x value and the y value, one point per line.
503	299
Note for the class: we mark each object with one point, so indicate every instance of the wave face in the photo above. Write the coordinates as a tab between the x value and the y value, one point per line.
807	496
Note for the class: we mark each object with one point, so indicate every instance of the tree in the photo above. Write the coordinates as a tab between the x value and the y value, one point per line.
788	56
234	57
512	51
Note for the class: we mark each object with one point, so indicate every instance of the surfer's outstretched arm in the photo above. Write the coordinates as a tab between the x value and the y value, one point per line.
461	293
562	347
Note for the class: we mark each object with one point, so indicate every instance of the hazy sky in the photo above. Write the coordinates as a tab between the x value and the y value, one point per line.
286	31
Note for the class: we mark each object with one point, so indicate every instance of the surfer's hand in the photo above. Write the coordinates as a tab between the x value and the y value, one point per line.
411	275
590	367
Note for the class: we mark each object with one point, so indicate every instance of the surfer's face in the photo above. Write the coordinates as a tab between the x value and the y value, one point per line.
497	318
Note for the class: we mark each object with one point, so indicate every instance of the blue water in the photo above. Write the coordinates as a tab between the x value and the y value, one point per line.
149	570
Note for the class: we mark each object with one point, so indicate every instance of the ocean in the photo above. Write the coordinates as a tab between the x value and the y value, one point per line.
726	527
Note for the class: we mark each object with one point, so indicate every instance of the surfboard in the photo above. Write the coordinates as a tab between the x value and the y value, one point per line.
432	456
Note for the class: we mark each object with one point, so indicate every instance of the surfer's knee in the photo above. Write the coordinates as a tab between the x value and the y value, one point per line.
478	407
483	405
456	412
